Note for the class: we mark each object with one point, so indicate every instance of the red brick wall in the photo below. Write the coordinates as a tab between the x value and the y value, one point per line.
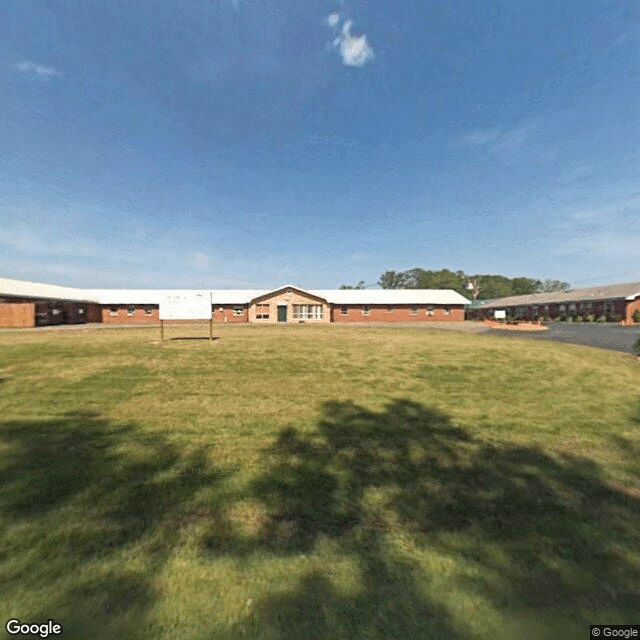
632	307
620	308
227	315
399	313
122	316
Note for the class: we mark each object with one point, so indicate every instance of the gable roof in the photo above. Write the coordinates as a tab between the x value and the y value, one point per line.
628	291
21	288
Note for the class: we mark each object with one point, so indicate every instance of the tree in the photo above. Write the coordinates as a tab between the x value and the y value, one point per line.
360	285
553	285
492	286
523	286
392	280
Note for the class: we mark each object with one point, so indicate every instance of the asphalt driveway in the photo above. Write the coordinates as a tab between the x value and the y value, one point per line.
604	336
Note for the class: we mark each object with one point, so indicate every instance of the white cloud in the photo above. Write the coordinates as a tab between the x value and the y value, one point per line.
40	70
333	19
354	51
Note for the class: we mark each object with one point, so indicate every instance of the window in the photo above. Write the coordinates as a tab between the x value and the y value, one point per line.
344	309
562	309
573	309
430	310
608	308
238	311
366	309
546	309
81	311
307	312
414	311
148	310
447	311
113	311
262	312
131	310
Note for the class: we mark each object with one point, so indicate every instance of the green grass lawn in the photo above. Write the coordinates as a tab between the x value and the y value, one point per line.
317	482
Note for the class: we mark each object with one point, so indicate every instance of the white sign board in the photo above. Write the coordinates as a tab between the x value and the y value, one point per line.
186	306
498	314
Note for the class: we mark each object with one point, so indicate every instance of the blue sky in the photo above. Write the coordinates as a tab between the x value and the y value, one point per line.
247	144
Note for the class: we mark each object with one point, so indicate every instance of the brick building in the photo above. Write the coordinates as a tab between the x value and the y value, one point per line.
615	303
286	304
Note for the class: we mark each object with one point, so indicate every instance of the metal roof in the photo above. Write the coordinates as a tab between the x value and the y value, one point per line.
24	289
628	291
390	296
230	296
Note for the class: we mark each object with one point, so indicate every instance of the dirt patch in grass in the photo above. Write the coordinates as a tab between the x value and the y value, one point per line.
520	326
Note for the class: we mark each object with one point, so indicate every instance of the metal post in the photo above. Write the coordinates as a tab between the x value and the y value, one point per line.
161	331
211	329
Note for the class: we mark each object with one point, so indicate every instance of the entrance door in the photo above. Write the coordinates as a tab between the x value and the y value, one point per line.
282	314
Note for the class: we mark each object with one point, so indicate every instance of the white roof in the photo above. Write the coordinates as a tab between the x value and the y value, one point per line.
23	289
230	296
390	296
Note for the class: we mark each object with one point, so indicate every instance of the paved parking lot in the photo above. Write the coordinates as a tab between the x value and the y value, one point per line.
604	336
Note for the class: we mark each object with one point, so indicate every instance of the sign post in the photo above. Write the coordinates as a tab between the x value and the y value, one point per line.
186	306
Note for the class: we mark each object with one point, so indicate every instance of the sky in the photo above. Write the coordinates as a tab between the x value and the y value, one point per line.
250	144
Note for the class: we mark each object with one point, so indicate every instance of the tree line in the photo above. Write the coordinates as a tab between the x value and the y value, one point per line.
482	287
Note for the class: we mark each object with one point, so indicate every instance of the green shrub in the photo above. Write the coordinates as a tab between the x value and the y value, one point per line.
636	346
589	318
636	316
577	319
601	318
617	318
562	318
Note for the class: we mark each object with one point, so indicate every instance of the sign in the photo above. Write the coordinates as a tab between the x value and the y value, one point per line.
186	306
499	314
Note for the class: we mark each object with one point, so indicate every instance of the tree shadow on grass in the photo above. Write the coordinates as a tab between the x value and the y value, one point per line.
77	495
545	535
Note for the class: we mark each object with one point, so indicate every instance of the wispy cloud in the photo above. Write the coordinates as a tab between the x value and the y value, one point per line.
199	260
601	232
355	51
33	68
504	142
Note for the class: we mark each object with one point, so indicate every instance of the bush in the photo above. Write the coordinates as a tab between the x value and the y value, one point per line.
589	318
636	316
562	318
601	318
577	318
636	346
617	318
